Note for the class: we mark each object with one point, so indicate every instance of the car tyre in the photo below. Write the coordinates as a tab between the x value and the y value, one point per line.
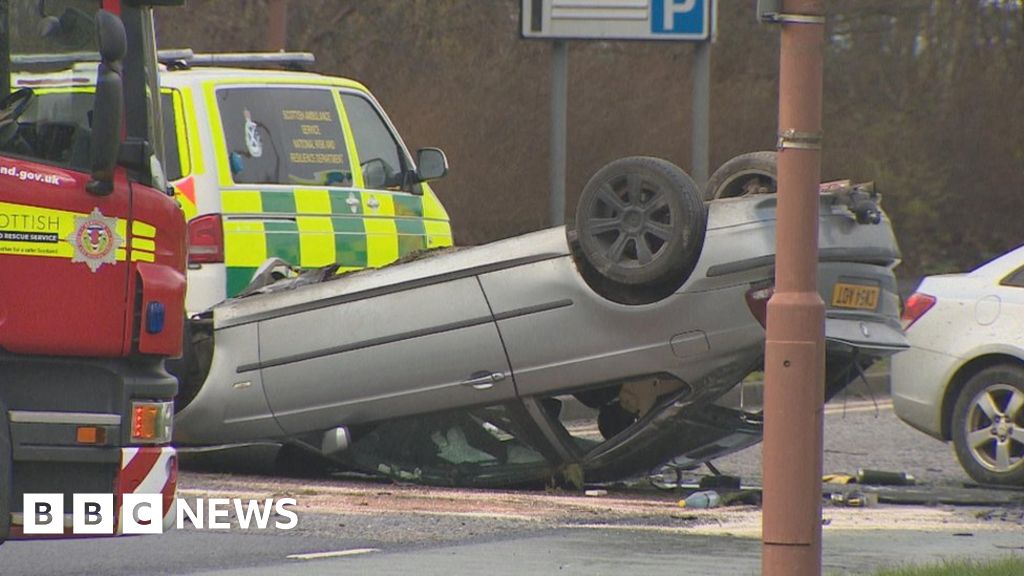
988	426
746	174
638	229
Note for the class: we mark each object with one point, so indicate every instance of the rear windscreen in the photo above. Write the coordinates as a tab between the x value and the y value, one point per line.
284	135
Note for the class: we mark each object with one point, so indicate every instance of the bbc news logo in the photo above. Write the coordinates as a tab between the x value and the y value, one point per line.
94	514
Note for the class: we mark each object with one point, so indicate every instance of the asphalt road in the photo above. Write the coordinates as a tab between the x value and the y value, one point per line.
576	551
859	435
374	528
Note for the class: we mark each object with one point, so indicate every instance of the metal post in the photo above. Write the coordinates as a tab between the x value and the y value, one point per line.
277	25
701	112
794	351
559	98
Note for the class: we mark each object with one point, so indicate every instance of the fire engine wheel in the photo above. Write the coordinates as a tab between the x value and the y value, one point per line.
752	173
638	230
11	108
6	476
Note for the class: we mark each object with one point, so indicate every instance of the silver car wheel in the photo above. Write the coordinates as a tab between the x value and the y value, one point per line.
995	428
988	425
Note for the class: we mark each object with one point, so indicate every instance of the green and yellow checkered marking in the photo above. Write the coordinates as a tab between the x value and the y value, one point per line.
318	227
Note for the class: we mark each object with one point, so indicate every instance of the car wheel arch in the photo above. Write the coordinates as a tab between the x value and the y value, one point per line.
960	379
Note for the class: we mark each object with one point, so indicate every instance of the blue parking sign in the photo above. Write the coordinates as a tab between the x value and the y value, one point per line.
678	17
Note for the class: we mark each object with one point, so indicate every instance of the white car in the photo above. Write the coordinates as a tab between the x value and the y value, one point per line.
963	378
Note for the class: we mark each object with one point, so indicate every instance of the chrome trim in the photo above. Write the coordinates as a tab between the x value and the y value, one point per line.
84	418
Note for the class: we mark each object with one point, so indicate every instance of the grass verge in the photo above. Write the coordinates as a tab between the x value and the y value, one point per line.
1009	566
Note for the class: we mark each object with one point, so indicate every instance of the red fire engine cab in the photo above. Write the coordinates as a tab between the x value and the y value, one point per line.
92	262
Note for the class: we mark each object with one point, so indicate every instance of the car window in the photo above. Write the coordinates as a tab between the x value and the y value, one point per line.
1016	278
54	128
283	135
380	155
172	154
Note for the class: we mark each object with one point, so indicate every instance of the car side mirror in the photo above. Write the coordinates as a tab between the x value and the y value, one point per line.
72	30
431	164
108	103
375	174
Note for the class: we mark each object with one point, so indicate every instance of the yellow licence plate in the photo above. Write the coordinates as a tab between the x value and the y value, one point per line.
855	296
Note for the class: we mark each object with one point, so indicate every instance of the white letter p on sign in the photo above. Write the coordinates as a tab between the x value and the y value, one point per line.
673	7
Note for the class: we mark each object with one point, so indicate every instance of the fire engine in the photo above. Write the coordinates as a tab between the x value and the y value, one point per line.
93	248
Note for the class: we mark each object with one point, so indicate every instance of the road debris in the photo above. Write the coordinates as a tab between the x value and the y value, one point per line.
702	499
884	478
854	499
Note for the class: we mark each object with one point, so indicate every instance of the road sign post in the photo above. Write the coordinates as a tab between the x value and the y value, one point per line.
557	138
655	20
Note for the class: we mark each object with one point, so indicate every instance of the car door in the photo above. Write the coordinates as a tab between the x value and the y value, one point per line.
1001	311
378	352
560	336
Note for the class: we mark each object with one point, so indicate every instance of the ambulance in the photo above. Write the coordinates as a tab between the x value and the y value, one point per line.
282	163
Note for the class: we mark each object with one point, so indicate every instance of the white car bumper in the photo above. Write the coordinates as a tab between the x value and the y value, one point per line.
919	381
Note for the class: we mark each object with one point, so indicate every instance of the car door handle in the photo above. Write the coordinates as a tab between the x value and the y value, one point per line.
484	380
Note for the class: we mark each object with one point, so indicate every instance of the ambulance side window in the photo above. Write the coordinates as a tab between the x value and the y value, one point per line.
380	156
284	135
172	154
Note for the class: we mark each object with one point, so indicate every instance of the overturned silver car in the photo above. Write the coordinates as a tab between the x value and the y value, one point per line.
595	351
